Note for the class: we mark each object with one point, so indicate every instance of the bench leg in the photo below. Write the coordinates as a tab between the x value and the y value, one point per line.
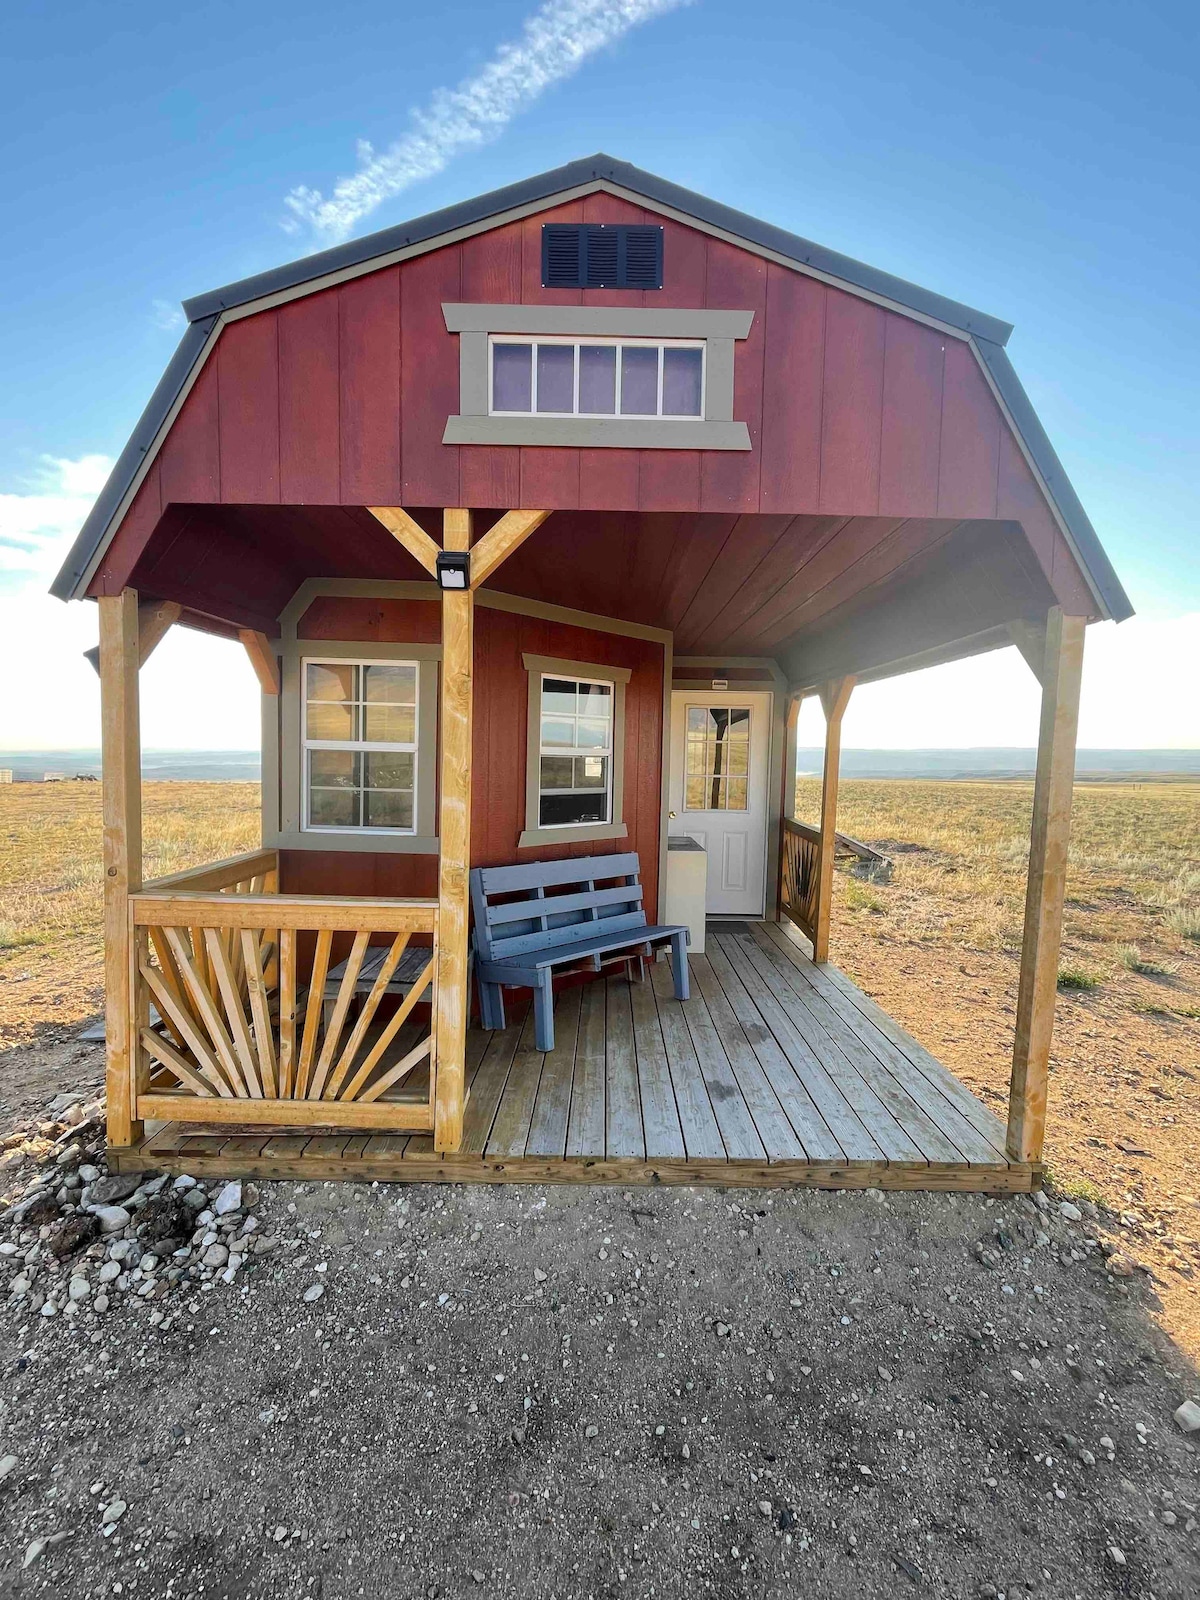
543	1011
679	965
491	1005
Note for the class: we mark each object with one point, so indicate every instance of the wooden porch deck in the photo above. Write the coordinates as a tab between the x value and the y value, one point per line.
774	1073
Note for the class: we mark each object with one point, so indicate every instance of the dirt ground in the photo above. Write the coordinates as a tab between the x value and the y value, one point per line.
581	1392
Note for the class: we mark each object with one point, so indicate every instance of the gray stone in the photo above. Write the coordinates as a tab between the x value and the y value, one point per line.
117	1186
1070	1211
215	1256
109	1271
229	1199
112	1219
314	1291
78	1289
1187	1416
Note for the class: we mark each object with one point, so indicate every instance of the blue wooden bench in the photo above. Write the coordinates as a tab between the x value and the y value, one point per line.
522	932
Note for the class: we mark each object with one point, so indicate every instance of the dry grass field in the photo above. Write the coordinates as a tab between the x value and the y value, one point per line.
936	945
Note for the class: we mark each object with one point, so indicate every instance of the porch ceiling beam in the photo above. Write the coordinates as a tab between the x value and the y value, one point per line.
410	533
499	542
262	658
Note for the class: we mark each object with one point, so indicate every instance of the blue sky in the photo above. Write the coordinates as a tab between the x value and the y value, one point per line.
1038	161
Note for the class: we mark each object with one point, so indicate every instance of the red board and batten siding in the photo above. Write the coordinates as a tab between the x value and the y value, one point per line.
499	742
341	397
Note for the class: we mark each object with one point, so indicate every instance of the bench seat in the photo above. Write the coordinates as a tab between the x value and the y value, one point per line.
522	933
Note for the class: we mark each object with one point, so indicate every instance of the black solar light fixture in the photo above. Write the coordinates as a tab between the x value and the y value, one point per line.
454	569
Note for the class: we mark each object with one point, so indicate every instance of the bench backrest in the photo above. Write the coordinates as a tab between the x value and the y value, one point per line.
545	903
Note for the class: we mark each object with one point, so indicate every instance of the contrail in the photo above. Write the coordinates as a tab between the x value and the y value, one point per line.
554	43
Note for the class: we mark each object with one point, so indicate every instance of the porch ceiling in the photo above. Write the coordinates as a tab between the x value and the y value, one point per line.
822	594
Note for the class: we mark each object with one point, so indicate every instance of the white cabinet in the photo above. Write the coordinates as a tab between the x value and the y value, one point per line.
687	887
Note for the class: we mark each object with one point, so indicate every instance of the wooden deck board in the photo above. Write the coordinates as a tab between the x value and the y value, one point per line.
774	1072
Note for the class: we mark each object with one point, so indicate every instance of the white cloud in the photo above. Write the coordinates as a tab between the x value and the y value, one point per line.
166	316
554	43
197	692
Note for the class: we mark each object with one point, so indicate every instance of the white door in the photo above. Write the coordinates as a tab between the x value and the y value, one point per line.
718	791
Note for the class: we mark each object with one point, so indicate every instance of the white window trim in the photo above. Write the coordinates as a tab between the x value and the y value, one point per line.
553	751
357	746
539	668
658	415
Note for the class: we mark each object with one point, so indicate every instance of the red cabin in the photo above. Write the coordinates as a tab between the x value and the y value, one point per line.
538	516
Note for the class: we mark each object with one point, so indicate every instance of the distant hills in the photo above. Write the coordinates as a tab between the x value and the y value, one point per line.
31	766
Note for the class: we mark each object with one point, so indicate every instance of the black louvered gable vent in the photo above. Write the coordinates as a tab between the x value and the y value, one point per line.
601	256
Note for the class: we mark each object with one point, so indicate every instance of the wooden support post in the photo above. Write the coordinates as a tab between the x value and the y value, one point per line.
787	792
122	818
262	658
1049	837
454	828
835	697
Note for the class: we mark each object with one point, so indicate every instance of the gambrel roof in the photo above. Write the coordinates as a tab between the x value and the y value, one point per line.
208	312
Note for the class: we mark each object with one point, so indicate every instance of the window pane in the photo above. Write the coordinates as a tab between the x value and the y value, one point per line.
387	771
739	723
395	684
559	810
598	378
558	697
681	383
696	799
639	380
696	755
697	719
334	769
556	377
325	720
595	699
327	682
591	772
512	377
591	733
389	724
557	772
737	758
334	808
556	732
388	808
735	795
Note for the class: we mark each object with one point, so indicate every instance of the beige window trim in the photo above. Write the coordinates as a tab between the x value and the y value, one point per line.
581	833
288	832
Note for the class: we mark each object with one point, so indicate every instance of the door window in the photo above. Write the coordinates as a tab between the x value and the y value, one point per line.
718	758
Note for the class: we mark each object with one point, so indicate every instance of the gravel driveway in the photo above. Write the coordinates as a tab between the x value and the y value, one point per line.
581	1392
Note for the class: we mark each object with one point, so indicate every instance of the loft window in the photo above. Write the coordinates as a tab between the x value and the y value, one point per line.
601	256
576	745
597	378
360	745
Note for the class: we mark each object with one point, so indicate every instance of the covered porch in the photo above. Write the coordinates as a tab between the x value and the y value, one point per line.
775	1071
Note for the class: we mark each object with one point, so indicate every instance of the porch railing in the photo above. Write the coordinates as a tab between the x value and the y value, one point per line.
248	1026
799	875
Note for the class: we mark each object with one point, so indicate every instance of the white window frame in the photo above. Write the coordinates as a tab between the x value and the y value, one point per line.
356	746
558	751
534	340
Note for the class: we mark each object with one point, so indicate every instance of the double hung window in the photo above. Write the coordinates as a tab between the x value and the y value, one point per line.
576	751
360	745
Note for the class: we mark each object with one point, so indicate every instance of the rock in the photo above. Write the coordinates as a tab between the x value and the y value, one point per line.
229	1199
89	1174
1187	1416
109	1271
73	1235
591	1431
765	1508
164	1216
313	1292
1120	1266
216	1256
195	1200
1116	1556
8	1464
112	1513
100	1303
33	1550
265	1243
1070	1211
78	1289
116	1187
112	1219
35	1213
184	1181
539	1276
